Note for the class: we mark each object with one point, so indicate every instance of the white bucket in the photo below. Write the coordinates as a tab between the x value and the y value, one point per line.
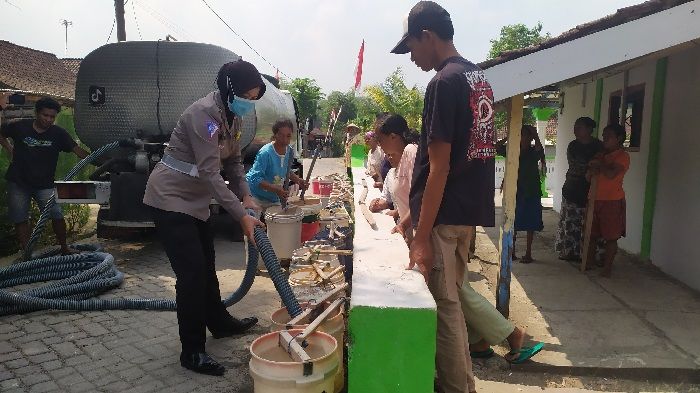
284	229
273	371
333	325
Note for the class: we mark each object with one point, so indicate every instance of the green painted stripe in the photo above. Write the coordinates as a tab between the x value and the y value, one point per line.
598	102
657	107
391	350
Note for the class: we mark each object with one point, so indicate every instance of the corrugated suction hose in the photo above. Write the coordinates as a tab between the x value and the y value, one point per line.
74	281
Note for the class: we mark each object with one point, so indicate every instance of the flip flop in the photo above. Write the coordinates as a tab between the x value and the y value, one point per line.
481	354
525	353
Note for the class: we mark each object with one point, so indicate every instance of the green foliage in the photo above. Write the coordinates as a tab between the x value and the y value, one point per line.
76	216
306	93
516	36
395	97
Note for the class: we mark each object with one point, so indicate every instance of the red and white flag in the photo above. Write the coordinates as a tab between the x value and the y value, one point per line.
358	68
277	75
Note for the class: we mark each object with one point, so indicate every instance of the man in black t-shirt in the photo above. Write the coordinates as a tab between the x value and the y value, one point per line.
452	187
34	155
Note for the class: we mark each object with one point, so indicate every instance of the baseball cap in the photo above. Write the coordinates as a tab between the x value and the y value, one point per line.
425	15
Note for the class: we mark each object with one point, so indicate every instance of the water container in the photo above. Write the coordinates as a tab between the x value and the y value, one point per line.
333	325
274	371
284	229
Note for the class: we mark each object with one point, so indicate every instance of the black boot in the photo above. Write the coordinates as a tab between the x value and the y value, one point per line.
233	327
200	362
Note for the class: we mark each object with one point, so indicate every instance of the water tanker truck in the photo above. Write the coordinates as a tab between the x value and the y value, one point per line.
135	92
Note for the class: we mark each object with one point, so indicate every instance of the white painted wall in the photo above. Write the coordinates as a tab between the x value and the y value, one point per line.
677	215
575	106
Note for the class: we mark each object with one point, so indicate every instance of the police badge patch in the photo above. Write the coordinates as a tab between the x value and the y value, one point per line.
212	128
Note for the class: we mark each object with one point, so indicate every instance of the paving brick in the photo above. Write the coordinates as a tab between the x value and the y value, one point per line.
34	348
52	340
66	349
118	386
5	375
76	360
44	357
81	387
27	370
62	372
7	327
94	329
9	384
35	327
47	386
34	378
29	337
6	347
17	363
52	365
105	380
131	374
71	379
6	357
65	328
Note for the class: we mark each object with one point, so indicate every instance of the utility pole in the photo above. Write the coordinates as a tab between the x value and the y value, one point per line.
66	23
119	15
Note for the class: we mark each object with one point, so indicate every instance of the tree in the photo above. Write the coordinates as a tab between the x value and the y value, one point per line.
517	36
395	97
306	93
512	37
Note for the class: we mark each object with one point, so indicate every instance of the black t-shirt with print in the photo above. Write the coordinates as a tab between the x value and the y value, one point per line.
35	154
458	109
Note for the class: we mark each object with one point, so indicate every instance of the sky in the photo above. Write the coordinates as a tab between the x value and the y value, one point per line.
302	38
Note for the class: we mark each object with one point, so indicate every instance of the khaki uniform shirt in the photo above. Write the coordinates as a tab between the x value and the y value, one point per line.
201	137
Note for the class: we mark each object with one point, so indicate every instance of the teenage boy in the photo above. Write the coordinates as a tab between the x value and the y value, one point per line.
452	187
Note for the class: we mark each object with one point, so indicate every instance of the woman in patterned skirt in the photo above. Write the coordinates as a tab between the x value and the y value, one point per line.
575	190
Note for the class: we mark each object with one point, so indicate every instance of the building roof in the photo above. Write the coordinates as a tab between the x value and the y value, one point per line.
600	48
31	70
73	64
623	15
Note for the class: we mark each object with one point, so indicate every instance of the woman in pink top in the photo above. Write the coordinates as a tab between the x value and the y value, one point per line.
397	140
180	189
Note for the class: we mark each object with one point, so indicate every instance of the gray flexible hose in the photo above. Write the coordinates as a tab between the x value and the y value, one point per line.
81	277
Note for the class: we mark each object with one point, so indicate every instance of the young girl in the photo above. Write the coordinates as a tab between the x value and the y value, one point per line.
609	213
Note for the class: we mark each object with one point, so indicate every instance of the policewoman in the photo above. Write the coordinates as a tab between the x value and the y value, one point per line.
180	189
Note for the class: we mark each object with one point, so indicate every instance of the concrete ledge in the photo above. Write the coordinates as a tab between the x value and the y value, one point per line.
393	318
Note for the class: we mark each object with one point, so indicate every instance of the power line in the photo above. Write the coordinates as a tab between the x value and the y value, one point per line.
138	28
163	20
243	39
111	30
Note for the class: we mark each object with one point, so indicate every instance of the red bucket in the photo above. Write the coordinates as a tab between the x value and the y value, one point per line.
325	187
309	230
315	186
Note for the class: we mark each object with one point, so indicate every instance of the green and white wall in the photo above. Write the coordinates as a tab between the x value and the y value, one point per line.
392	321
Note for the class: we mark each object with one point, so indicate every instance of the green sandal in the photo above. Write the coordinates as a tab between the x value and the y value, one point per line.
525	353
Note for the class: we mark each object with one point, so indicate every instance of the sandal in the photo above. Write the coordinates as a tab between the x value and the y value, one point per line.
524	353
481	354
